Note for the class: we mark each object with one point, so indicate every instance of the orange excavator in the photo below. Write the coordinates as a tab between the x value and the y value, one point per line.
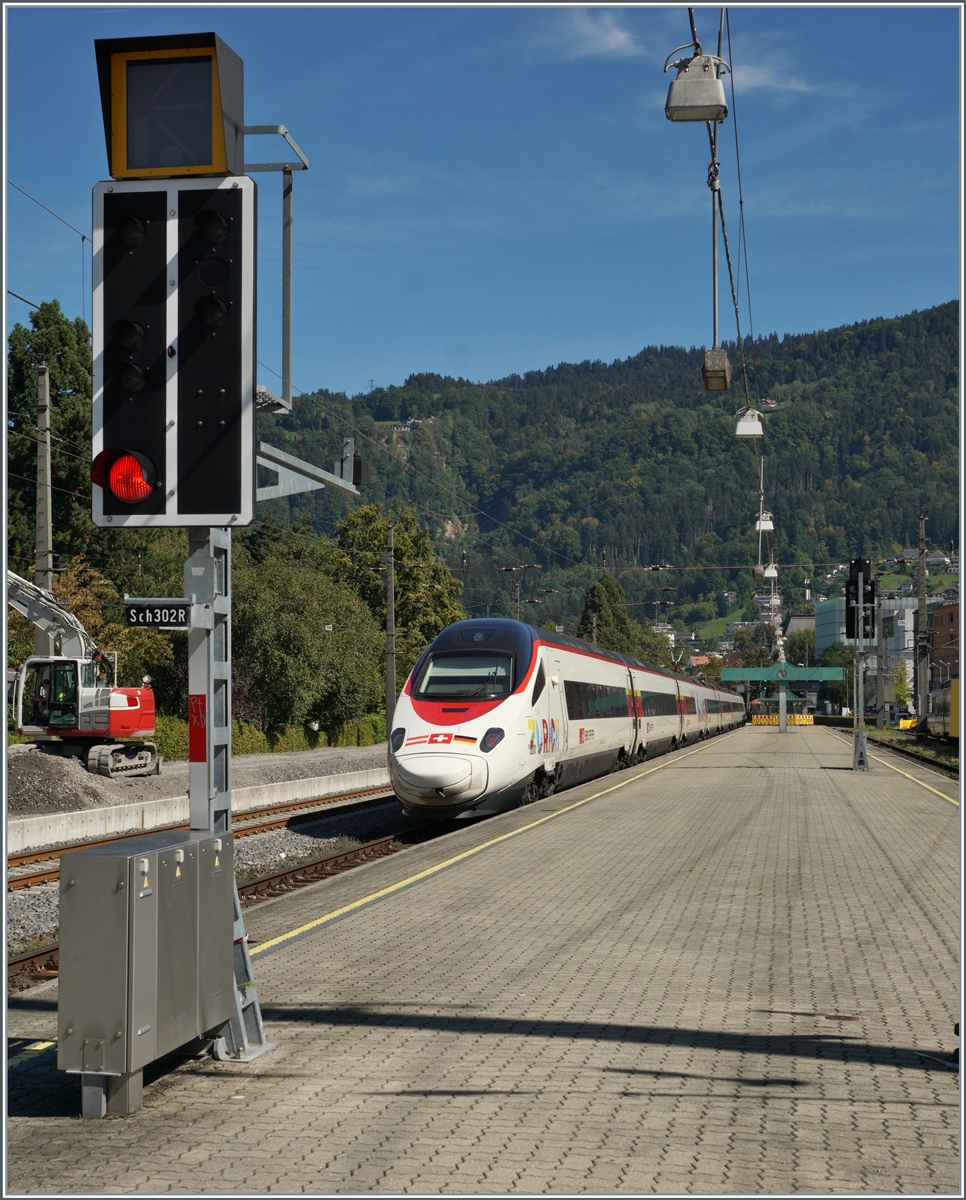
67	702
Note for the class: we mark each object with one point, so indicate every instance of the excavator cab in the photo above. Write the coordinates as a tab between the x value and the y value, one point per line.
48	695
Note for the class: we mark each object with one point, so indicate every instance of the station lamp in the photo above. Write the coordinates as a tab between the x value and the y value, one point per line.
749	424
764	523
697	93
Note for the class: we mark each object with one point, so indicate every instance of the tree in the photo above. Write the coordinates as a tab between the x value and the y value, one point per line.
300	672
839	654
427	595
800	647
753	646
64	347
146	562
902	684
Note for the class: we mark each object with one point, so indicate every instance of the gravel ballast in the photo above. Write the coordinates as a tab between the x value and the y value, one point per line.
39	782
33	913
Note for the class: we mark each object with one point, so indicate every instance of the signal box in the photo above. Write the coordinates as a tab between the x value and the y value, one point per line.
174	352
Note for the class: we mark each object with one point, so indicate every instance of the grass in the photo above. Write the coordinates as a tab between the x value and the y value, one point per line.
718	627
938	750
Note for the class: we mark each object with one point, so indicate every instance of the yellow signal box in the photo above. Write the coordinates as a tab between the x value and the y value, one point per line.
173	106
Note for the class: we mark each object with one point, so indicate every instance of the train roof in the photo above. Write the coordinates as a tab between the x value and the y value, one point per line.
571	643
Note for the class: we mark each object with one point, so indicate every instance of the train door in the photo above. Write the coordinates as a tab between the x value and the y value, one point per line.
558	706
632	708
680	702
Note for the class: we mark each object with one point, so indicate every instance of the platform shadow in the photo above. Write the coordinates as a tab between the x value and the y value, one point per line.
835	1045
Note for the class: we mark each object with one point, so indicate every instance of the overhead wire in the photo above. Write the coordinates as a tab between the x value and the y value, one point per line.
83	237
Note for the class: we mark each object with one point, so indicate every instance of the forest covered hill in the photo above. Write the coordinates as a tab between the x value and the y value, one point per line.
634	458
558	467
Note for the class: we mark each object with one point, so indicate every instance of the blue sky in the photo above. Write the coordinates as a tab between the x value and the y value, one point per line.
498	189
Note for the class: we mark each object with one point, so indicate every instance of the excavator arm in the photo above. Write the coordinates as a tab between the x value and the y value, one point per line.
50	616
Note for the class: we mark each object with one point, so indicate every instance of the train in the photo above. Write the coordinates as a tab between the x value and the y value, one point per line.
496	714
943	715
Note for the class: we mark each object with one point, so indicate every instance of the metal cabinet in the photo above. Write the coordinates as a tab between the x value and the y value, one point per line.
145	949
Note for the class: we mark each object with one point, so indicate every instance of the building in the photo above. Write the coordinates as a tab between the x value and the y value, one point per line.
799	620
943	622
829	622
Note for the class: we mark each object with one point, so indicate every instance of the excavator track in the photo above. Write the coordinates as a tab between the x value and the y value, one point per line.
124	759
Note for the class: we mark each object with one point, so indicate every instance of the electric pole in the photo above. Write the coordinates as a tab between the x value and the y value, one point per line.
922	640
880	717
593	626
44	576
390	631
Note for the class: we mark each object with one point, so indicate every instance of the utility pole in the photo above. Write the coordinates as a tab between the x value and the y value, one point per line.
287	220
44	576
880	717
922	640
517	597
390	630
860	757
593	626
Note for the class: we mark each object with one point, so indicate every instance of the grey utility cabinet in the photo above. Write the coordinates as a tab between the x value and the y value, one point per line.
146	959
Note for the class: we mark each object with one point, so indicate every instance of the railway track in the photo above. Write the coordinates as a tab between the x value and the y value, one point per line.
259	820
904	752
33	966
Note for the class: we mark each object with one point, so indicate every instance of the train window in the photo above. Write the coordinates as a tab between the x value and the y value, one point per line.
461	674
590	701
538	685
659	704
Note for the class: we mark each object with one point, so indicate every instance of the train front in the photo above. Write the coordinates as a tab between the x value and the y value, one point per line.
458	743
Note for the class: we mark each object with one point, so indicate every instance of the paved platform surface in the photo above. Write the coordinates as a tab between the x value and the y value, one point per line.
712	975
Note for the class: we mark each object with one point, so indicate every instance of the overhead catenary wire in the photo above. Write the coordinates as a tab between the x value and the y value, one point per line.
83	237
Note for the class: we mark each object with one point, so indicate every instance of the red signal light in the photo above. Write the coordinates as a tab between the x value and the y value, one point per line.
129	476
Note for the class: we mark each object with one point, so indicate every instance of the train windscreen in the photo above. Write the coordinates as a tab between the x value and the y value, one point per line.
476	673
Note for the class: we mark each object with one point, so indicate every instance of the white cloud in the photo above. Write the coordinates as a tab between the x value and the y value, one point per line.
584	34
770	76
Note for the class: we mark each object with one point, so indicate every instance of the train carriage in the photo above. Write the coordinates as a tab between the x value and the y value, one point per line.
497	713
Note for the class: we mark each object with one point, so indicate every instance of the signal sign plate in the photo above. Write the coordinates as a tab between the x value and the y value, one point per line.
157	614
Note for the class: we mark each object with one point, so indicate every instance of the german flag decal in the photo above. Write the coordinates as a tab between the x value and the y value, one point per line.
466	741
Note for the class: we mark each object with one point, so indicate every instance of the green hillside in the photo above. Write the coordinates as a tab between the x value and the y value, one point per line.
560	466
634	458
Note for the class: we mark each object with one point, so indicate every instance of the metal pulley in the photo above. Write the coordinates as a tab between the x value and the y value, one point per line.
716	370
697	94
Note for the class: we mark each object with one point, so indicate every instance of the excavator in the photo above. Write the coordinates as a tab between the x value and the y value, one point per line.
66	701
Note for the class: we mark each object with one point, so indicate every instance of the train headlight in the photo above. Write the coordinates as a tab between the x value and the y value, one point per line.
491	738
397	739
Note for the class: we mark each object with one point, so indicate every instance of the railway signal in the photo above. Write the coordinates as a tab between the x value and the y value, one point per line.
860	568
174	300
174	347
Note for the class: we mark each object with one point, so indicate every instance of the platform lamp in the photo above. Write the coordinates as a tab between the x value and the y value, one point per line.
697	94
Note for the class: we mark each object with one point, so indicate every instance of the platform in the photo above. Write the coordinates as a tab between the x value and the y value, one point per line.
717	972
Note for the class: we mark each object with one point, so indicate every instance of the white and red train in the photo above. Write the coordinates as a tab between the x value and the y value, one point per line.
496	713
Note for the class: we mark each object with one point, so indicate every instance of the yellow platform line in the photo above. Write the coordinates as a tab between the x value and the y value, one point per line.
29	1052
449	862
928	787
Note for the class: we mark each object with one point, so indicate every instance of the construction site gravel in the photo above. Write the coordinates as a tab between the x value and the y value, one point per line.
38	782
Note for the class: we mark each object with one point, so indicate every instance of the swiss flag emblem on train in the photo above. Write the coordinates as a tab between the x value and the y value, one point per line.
440	739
